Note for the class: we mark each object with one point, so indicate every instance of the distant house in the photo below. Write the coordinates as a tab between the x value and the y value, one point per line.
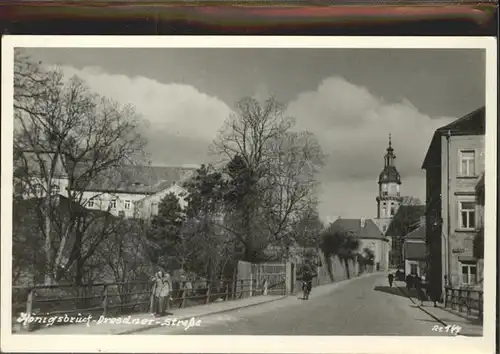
369	236
122	191
407	219
414	251
454	164
135	191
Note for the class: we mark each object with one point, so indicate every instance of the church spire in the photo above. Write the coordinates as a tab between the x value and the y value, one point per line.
389	156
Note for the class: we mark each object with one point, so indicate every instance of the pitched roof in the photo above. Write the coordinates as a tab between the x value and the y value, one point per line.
405	216
470	124
417	234
140	179
370	229
415	251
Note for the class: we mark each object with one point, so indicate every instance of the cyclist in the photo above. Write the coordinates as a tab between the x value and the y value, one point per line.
307	276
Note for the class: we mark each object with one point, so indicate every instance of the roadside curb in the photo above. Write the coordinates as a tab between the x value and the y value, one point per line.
440	320
421	308
435	317
156	325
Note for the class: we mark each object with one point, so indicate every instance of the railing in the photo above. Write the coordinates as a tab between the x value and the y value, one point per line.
112	299
467	301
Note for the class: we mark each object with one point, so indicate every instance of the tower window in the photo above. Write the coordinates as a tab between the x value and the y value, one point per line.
384	193
393	211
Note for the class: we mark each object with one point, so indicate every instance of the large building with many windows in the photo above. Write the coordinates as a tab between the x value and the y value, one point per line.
127	191
454	163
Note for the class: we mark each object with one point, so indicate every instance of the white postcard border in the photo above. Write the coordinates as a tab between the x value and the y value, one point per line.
245	344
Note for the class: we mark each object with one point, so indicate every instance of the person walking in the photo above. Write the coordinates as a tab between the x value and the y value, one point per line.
435	293
161	289
409	282
420	290
391	279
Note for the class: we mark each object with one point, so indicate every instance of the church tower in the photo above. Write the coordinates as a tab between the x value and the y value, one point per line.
389	198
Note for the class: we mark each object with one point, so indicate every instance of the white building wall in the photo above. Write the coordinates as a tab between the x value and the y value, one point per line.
124	202
148	206
29	192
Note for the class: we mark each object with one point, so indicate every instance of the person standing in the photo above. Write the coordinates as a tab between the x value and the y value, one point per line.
420	290
391	279
161	289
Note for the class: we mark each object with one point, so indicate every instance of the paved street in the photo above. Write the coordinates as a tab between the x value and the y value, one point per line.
363	306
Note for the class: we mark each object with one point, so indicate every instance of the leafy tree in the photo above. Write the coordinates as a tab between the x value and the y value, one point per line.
166	244
366	258
308	229
341	244
205	225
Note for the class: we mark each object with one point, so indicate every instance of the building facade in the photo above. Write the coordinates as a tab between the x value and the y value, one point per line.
130	191
454	163
414	252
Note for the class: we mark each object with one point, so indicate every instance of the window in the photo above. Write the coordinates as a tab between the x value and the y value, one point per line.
467	215
90	203
384	193
393	211
467	163
54	189
112	204
469	273
384	228
154	208
413	268
38	189
127	204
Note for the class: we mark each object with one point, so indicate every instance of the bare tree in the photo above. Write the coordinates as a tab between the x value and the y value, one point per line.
289	187
274	168
64	131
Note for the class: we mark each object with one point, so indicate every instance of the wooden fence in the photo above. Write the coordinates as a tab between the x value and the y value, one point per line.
113	299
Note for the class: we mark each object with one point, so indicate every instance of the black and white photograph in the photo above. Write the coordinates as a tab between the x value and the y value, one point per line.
267	190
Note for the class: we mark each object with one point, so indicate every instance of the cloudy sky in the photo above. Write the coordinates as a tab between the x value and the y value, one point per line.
350	98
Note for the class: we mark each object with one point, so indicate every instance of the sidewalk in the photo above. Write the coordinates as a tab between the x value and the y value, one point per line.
140	322
470	327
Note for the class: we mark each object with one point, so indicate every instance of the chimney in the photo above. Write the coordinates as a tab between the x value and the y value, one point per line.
362	220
